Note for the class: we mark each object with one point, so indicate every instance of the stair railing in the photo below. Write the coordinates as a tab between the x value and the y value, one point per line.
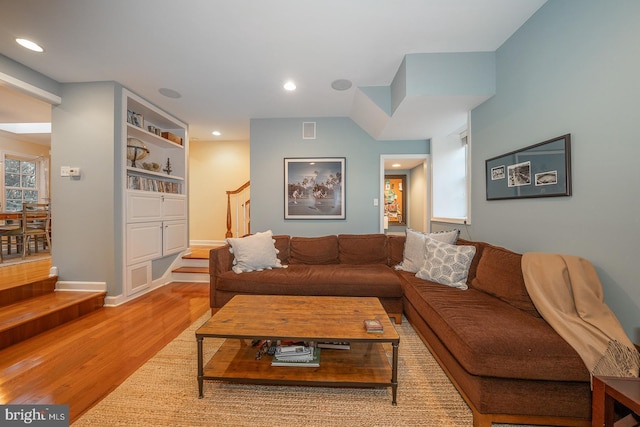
241	211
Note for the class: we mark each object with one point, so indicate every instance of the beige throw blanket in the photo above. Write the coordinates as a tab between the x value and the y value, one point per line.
568	294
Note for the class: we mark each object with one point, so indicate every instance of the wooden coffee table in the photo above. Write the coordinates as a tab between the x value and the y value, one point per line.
249	317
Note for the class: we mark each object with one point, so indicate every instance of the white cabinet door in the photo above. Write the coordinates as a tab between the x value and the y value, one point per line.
174	207
138	277
174	237
144	241
144	207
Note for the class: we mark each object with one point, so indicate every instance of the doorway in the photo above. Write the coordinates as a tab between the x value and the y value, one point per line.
411	199
25	147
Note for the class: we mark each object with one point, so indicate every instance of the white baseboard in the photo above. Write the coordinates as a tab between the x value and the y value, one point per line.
114	300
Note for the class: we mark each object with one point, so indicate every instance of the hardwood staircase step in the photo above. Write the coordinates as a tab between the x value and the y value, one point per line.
15	293
28	317
198	270
199	252
195	266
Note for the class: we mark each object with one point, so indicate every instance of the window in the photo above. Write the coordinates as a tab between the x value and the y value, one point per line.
20	183
450	157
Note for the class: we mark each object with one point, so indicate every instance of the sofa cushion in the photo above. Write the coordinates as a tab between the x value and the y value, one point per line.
395	249
282	245
415	247
476	258
500	274
362	248
489	337
314	250
254	252
446	264
330	280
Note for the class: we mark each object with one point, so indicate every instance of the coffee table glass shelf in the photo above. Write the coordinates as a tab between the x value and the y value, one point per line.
300	318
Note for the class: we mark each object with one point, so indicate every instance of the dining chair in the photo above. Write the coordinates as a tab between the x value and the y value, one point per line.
11	229
36	222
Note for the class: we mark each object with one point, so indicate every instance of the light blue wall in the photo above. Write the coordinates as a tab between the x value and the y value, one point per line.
274	139
446	74
18	71
572	68
83	208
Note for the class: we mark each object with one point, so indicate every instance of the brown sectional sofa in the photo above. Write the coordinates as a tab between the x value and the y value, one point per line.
344	265
509	365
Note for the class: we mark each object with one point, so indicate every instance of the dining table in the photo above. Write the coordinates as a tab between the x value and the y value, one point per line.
5	215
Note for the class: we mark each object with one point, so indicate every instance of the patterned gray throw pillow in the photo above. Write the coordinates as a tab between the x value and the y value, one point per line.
446	264
415	249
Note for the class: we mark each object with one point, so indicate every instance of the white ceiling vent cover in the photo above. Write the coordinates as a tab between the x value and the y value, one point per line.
308	130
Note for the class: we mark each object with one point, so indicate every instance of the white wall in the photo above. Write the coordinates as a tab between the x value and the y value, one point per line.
418	198
572	68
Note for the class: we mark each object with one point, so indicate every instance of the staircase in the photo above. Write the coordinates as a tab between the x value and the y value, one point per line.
29	309
195	266
32	308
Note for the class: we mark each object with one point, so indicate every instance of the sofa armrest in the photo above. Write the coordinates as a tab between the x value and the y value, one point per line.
220	261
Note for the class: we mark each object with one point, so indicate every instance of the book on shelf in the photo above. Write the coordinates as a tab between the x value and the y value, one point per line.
135	182
309	360
287	351
335	345
373	326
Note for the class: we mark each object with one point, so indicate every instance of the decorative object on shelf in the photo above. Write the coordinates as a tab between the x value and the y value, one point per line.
314	188
171	137
135	119
153	166
167	168
540	170
136	150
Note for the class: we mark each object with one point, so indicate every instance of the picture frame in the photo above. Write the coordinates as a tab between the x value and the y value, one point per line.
539	170
314	188
135	119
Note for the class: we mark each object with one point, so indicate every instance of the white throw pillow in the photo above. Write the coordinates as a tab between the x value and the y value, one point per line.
254	253
447	264
415	249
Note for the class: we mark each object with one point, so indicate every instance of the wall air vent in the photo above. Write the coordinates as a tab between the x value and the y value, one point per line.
308	130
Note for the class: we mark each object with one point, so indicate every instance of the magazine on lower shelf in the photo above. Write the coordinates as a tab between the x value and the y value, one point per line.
335	345
310	360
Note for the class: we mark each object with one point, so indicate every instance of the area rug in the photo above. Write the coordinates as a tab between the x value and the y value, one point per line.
164	392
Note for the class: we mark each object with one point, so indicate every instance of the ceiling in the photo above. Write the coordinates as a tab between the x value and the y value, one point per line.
229	59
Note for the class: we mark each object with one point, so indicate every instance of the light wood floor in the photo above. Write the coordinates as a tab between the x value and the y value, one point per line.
82	361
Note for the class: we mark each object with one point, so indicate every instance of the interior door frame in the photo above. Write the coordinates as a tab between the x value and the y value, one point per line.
425	164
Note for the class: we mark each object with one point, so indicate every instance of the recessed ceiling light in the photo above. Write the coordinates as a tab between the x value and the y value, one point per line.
290	86
216	133
169	93
30	45
396	165
341	84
